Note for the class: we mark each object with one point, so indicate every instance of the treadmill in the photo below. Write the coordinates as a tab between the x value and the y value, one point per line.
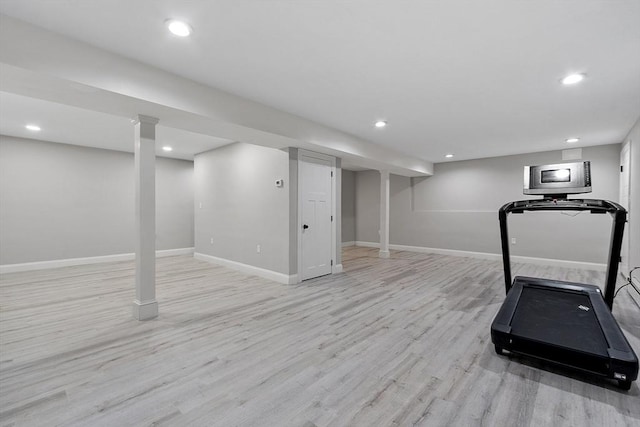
565	323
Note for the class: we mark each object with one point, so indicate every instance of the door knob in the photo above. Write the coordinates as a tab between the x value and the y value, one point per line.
305	226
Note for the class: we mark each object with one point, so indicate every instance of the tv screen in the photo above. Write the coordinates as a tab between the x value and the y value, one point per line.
556	175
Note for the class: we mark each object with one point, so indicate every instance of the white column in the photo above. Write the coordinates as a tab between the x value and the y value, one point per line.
384	214
145	305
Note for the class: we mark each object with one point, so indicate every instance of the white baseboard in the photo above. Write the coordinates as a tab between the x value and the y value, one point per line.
145	310
287	279
560	263
345	244
367	244
337	269
492	257
69	262
174	252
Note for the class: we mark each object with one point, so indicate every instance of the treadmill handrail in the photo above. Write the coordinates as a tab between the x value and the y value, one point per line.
593	205
618	213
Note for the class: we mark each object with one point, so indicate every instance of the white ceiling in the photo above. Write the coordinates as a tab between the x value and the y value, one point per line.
77	126
474	78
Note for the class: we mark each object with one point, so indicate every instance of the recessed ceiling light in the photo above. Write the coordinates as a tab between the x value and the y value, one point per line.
167	148
573	79
572	140
448	156
381	124
34	128
178	28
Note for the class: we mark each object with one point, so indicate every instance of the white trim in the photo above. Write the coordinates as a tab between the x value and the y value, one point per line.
69	262
452	252
351	243
560	263
625	201
146	310
492	257
367	244
290	279
334	214
174	252
337	269
299	219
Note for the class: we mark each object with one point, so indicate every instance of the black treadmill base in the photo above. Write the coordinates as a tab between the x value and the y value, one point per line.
539	319
561	368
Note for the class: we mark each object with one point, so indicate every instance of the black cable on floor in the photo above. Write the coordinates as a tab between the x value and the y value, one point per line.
629	282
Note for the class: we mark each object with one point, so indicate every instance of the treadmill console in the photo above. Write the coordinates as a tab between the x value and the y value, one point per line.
557	180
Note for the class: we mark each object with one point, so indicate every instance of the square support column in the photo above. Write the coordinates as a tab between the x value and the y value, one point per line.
145	305
384	214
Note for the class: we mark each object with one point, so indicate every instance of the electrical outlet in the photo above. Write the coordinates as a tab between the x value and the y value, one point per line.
258	249
513	240
212	240
200	205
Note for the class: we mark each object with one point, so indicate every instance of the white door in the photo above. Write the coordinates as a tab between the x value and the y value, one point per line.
316	210
625	164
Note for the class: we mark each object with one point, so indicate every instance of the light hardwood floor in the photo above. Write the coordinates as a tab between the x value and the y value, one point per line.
390	342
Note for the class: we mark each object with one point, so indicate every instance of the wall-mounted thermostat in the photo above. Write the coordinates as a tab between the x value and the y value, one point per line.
279	182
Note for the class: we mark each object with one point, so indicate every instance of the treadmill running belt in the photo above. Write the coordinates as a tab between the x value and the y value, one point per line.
560	318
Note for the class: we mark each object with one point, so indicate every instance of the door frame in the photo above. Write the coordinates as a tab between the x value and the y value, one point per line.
332	160
625	162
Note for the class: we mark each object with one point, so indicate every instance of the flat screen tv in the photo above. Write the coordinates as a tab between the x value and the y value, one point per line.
556	181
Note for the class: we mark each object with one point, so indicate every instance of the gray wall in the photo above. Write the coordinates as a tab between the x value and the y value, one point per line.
174	203
61	201
368	206
292	183
348	206
456	208
238	205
